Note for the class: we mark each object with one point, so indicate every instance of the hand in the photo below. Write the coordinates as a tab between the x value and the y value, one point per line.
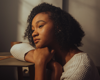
43	55
56	70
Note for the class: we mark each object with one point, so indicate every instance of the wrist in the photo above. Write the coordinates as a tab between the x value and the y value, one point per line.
40	62
52	65
56	70
40	71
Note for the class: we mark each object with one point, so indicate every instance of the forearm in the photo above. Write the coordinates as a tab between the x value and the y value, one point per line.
40	71
56	74
55	69
29	56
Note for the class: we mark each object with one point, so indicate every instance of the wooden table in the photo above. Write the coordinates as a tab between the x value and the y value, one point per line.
12	62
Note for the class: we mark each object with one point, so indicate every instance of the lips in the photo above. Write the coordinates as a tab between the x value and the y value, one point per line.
36	40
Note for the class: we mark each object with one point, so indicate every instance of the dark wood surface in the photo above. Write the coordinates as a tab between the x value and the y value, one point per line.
13	61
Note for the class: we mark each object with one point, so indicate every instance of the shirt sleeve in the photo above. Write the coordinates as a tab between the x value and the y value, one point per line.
19	50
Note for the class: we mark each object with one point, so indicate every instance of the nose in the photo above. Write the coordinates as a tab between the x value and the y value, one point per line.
35	33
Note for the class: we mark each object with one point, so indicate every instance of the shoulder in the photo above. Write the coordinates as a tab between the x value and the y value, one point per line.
77	60
80	67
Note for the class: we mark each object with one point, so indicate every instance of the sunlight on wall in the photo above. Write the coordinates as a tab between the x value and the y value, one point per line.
25	6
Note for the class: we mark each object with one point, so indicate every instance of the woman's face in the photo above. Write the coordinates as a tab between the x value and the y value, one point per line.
43	30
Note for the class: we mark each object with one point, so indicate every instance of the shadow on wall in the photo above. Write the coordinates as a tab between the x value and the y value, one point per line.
8	33
8	23
65	5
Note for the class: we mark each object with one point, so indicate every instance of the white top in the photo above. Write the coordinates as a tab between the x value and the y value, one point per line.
19	50
80	67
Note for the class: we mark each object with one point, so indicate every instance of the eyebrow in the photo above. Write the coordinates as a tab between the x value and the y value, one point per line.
40	21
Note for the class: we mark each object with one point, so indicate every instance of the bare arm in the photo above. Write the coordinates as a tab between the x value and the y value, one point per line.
29	56
56	70
40	70
32	55
40	67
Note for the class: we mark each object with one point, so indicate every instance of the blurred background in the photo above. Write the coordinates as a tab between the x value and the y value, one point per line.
13	22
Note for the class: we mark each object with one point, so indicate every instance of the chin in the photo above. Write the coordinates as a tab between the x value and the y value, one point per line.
40	45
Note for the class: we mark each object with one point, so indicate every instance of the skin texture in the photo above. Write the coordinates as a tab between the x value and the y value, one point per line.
44	39
40	66
46	47
43	30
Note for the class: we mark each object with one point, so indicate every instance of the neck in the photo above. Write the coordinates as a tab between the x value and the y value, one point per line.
63	56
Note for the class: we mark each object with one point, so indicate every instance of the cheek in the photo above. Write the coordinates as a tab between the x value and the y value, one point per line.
47	33
47	36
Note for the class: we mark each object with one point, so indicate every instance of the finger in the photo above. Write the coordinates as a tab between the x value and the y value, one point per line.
50	64
52	51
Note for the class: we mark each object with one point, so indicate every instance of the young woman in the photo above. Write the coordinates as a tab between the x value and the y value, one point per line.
56	36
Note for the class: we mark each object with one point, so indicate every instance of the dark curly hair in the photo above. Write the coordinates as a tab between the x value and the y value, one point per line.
68	32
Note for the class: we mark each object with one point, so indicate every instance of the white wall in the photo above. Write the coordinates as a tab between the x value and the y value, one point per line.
87	13
13	18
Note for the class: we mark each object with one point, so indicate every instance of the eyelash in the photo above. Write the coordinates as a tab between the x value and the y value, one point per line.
32	30
40	26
